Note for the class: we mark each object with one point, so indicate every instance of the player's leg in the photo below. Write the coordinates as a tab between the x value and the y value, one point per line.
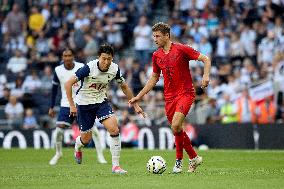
177	121
115	143
58	135
62	122
86	119
97	141
183	106
174	118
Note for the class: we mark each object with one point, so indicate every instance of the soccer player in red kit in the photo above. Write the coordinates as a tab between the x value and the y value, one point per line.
173	60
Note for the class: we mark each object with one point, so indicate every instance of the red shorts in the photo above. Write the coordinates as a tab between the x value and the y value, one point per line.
181	104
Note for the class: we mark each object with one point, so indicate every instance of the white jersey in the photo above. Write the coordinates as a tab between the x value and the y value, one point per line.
61	76
94	82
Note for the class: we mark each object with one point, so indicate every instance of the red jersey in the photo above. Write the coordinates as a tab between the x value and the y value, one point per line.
175	69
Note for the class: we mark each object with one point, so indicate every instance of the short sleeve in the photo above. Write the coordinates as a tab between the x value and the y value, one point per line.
82	72
119	78
156	68
55	80
191	53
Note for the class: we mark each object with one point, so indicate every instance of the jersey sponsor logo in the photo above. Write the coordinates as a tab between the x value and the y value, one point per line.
98	86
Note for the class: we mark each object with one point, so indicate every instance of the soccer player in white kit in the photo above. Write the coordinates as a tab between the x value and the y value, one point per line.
91	101
62	73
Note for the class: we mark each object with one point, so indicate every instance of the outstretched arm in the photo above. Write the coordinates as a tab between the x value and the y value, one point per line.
149	86
207	66
128	93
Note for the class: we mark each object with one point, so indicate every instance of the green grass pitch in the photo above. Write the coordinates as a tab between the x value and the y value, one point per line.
221	169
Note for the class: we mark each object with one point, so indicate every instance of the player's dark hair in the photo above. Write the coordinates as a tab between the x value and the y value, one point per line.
69	49
162	27
106	48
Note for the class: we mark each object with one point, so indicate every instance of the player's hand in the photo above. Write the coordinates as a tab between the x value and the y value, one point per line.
133	100
205	81
139	110
73	111
51	112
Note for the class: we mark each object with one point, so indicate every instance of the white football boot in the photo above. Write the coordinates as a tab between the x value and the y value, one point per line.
194	163
101	159
178	166
55	159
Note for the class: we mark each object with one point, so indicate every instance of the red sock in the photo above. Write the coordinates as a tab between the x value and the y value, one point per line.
188	147
179	145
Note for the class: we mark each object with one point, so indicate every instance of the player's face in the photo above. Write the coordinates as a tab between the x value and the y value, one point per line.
105	61
160	39
67	58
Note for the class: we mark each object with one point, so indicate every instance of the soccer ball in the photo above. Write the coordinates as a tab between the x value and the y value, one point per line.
156	165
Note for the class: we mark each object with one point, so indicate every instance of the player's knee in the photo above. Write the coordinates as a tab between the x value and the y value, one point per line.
176	128
113	131
86	138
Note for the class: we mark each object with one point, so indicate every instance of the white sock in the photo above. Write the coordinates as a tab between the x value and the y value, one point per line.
58	140
96	139
78	145
115	148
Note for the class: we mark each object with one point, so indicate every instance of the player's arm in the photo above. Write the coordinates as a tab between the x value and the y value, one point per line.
193	54
148	87
128	92
55	83
206	73
150	83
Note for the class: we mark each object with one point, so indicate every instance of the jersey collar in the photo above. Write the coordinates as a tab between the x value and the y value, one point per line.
67	68
100	68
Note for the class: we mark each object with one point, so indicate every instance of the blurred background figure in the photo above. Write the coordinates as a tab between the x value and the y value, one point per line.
228	111
266	111
246	108
142	41
30	121
14	111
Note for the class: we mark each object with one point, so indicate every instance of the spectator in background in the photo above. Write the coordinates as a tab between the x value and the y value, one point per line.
267	48
46	79
17	88
30	121
136	77
15	22
91	48
246	108
237	51
228	110
266	111
31	83
36	20
248	37
213	115
6	95
113	34
81	21
17	63
41	44
14	112
205	47
223	47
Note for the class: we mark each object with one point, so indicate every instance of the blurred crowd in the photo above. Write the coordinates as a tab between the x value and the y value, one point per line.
244	39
